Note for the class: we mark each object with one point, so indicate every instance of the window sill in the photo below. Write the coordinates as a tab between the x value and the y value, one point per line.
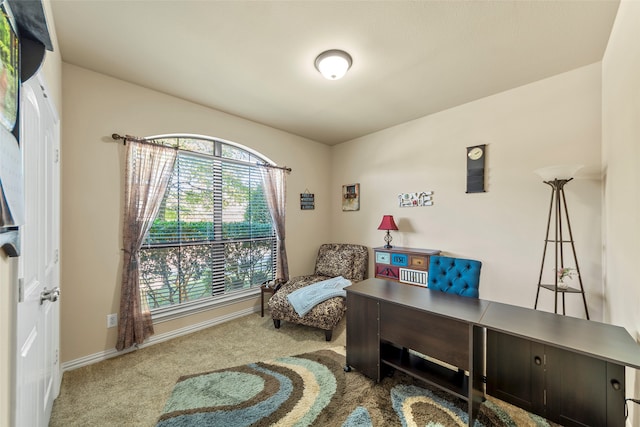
166	314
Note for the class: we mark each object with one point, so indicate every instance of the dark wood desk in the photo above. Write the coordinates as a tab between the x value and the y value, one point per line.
385	319
568	370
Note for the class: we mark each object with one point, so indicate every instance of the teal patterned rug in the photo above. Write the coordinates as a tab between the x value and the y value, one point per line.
313	389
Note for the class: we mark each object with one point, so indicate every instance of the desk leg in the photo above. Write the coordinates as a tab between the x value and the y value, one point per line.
476	374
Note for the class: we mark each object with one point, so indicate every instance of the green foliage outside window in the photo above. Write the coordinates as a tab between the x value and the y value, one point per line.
178	274
199	231
187	255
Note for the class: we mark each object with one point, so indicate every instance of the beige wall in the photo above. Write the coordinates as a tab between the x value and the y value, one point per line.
621	162
553	121
95	106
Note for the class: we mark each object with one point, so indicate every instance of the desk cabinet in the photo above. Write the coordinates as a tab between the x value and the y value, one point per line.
563	386
569	370
363	335
407	265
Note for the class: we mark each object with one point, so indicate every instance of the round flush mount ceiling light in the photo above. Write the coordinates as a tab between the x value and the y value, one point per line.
333	64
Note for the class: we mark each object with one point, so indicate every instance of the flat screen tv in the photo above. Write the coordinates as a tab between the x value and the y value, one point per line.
9	68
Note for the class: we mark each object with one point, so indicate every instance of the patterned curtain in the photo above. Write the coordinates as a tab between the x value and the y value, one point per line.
275	193
148	170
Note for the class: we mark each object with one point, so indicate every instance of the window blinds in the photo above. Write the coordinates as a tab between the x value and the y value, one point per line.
213	234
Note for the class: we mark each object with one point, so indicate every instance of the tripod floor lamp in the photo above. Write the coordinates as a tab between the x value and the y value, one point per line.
559	239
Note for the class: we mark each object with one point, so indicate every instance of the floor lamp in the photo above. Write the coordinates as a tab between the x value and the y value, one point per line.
557	177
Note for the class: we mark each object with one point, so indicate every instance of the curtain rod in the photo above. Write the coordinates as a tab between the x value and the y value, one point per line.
126	138
268	165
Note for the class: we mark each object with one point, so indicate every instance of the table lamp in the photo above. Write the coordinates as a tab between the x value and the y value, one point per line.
388	224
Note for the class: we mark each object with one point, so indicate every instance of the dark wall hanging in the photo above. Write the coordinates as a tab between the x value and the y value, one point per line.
307	201
475	168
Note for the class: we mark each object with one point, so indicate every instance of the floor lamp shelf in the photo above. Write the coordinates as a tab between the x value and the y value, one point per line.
558	246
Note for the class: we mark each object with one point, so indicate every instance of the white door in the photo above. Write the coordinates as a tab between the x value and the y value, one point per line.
37	362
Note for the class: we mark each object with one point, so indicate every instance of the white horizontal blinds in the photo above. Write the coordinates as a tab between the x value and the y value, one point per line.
218	264
246	225
179	267
213	234
175	275
195	197
186	213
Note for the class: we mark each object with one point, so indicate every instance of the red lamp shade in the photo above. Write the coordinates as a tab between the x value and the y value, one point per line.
387	223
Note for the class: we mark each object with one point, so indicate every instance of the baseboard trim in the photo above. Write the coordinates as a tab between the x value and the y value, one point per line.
155	339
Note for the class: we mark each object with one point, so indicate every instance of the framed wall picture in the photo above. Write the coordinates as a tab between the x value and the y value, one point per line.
351	197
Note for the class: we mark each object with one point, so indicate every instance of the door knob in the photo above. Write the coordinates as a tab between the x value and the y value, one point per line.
49	295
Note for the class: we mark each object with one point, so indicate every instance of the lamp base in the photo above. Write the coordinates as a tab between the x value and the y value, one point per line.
388	239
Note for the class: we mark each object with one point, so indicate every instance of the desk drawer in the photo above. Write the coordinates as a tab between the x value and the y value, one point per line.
436	336
418	262
383	257
401	260
387	271
413	277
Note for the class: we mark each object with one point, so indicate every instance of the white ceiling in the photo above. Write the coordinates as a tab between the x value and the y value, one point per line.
254	59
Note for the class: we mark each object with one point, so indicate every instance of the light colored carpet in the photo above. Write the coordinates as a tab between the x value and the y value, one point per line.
132	389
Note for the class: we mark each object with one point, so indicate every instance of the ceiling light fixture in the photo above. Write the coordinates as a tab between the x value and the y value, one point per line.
333	64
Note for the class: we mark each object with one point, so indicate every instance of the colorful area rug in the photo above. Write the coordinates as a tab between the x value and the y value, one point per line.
313	389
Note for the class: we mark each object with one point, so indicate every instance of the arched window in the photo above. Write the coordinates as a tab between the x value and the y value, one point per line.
213	238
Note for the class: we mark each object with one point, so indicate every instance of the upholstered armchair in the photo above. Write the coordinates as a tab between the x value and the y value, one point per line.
333	260
454	275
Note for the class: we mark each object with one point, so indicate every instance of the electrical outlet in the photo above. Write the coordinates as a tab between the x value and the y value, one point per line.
112	320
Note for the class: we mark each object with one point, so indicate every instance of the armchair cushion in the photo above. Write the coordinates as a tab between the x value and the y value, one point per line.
342	259
334	263
307	297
